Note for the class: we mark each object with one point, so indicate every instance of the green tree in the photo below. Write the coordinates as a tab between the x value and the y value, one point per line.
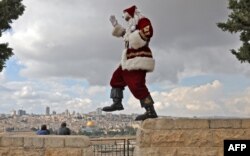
9	10
239	22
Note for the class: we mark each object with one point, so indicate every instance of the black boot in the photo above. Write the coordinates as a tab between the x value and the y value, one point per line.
147	103
116	95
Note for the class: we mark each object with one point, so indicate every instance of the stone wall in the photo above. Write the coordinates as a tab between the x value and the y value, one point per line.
45	146
188	137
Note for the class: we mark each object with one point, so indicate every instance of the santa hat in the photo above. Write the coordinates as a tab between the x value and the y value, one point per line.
130	11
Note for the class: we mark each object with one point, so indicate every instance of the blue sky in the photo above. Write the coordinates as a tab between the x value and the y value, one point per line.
65	56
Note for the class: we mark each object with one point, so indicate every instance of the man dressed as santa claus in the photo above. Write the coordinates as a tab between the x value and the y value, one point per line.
136	61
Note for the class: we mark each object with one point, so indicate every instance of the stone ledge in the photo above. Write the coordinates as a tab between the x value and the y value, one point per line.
46	145
45	141
188	136
195	123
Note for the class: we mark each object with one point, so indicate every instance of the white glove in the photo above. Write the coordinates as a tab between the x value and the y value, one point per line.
113	20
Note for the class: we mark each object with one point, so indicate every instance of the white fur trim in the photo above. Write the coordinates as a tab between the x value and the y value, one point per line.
118	31
135	40
143	63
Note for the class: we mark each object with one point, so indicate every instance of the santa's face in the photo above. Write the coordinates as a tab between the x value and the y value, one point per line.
126	16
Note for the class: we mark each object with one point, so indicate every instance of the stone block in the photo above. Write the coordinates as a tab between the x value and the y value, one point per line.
182	138
158	124
219	135
11	141
225	123
245	123
33	152
63	152
88	151
34	142
177	151
175	123
77	141
197	151
191	124
4	151
143	138
54	141
156	151
16	151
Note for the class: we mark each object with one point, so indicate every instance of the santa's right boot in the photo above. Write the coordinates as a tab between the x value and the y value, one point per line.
148	104
117	95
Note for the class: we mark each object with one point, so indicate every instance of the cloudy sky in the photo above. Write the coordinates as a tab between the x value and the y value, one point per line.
65	55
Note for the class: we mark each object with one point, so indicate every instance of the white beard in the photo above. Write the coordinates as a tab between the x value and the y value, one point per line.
131	24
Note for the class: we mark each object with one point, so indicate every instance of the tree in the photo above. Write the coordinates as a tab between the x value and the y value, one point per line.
9	10
239	22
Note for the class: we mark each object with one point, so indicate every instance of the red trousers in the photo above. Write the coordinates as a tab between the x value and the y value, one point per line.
135	80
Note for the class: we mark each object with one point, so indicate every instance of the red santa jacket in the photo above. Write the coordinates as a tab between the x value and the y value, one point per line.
137	55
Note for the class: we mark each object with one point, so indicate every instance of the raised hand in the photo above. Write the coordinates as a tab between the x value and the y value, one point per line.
113	20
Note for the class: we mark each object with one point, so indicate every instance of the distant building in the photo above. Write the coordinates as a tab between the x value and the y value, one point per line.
21	112
47	111
67	112
99	111
92	113
54	112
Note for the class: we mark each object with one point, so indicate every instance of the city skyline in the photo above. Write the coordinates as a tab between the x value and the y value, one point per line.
65	55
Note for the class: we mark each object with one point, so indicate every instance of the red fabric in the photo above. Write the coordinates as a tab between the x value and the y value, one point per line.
130	10
135	80
141	52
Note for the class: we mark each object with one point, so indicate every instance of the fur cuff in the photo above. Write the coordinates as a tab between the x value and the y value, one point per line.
118	31
135	40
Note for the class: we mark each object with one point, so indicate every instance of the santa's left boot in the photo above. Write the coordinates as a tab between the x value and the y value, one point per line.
148	104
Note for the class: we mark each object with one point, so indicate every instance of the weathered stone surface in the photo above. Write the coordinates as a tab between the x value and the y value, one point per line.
54	141
16	151
45	146
174	123
4	151
168	138
225	123
156	151
219	135
34	142
33	152
197	138
77	141
245	123
181	138
11	141
87	152
177	151
158	124
63	152
191	124
143	138
197	151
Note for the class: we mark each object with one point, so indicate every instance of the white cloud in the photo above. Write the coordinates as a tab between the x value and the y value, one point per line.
96	90
204	100
2	75
25	92
197	100
73	39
